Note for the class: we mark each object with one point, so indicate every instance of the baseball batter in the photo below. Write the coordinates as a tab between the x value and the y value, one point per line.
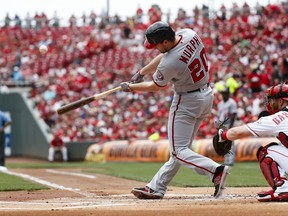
273	158
182	63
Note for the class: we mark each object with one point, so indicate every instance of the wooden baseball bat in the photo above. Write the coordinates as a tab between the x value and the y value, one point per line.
79	103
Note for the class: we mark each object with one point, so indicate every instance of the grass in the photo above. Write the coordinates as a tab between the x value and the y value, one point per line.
13	183
245	174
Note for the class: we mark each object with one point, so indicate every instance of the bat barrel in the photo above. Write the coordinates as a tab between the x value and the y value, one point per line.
79	103
74	105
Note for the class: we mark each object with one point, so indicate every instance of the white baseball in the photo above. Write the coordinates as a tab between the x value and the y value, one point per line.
43	49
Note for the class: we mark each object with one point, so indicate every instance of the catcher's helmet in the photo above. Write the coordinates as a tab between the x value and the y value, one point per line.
278	91
157	33
275	92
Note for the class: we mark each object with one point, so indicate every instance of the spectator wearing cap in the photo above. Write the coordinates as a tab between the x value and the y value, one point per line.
254	79
57	144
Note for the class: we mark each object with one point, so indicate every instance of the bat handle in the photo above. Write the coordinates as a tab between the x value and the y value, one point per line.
108	92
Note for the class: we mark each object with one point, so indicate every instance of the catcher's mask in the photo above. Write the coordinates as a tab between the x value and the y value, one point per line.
157	33
272	94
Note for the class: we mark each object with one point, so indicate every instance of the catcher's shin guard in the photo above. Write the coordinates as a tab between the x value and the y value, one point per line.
269	168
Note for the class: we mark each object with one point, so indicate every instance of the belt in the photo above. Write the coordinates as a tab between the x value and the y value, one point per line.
197	90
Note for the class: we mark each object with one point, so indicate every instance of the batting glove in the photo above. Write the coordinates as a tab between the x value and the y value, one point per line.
137	78
125	87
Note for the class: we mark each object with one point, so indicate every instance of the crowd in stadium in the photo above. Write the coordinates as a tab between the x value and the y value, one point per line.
246	48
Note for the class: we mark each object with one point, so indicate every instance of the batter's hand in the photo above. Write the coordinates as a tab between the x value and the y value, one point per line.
125	87
137	78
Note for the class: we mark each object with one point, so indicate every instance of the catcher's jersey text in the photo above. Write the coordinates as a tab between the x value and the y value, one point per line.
280	117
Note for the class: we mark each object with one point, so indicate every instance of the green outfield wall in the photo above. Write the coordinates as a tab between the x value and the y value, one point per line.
29	135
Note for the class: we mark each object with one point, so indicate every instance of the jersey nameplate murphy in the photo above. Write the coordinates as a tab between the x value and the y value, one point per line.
190	49
185	66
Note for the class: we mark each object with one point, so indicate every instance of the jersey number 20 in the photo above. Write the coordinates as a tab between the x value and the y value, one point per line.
195	67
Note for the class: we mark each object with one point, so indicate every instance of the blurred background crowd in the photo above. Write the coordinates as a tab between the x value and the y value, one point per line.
246	48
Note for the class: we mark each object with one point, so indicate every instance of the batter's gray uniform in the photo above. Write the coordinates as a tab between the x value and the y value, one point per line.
186	67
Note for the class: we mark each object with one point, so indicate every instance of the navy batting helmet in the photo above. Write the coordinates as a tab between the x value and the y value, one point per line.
157	33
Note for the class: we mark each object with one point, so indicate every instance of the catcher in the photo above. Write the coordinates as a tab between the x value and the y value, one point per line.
273	158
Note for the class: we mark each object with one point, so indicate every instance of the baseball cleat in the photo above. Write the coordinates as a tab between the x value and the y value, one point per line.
146	193
219	179
272	196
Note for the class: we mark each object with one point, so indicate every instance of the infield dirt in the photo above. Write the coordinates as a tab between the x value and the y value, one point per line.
98	194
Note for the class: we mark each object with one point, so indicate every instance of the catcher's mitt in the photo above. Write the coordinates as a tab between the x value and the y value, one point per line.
221	147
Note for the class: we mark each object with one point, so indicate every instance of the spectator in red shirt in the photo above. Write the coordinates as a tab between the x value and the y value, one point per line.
139	15
255	81
57	144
